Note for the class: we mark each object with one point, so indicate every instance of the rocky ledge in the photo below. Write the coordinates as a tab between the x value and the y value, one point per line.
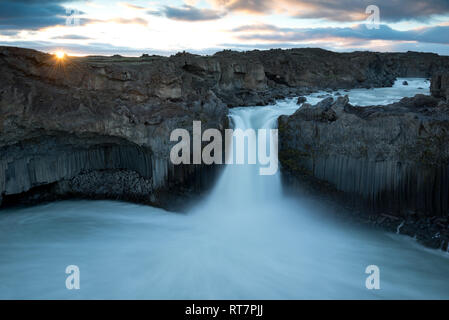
394	158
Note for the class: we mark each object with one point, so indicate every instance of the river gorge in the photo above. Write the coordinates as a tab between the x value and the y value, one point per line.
246	238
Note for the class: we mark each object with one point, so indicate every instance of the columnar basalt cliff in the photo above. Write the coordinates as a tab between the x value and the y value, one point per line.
394	157
96	129
440	85
99	127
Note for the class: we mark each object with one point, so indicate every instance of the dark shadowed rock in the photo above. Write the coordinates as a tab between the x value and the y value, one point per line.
301	100
439	85
405	83
394	156
69	127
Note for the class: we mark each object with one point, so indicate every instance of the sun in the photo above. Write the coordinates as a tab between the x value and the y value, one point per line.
60	54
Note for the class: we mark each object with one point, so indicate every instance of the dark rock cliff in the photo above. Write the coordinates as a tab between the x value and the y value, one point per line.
100	126
259	77
96	129
440	85
394	157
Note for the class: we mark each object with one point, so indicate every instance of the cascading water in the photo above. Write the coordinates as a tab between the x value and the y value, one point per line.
246	240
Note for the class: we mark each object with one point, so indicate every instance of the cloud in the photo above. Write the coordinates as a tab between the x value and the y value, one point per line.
9	33
250	6
342	10
256	27
390	11
131	6
31	14
435	34
188	13
71	37
137	21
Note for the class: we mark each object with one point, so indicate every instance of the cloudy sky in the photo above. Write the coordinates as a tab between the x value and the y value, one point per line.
206	26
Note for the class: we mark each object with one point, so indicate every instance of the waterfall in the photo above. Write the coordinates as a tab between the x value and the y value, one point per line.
241	187
398	229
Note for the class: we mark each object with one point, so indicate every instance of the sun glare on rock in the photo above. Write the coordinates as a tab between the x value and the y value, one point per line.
60	54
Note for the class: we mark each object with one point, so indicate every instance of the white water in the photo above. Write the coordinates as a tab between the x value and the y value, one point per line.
379	96
246	240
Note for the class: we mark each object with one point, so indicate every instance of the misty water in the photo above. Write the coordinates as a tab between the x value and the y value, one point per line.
246	239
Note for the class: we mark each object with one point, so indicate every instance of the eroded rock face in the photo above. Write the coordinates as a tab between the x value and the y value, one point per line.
69	127
318	68
394	156
440	85
258	77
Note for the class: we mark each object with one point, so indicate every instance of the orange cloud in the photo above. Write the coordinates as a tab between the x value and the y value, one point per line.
138	21
130	6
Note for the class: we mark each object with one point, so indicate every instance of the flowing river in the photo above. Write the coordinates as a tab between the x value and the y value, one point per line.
245	240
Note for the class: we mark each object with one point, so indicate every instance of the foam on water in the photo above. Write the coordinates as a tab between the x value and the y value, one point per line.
245	240
378	96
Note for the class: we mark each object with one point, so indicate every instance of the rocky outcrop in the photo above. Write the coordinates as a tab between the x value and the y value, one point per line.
319	69
94	129
258	77
301	100
440	86
395	157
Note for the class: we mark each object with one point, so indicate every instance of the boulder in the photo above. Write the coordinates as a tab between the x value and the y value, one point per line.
301	100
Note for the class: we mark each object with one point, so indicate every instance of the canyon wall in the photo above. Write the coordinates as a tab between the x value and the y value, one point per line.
97	130
99	127
259	77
